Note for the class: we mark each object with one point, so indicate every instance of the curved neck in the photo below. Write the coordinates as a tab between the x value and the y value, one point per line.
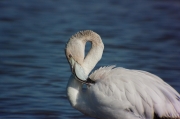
94	55
76	48
73	90
77	97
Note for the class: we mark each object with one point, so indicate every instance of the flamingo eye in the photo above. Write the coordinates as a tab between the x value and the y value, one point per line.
70	55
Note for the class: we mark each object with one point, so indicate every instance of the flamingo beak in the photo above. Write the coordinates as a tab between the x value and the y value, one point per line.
78	70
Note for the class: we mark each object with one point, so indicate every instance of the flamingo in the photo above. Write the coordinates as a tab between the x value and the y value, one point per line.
115	92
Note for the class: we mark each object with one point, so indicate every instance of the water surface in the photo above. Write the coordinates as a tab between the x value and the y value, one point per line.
140	34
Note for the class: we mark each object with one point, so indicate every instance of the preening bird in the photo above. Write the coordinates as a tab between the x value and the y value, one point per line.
115	92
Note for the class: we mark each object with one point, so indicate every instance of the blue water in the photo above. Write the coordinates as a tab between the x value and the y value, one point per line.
141	34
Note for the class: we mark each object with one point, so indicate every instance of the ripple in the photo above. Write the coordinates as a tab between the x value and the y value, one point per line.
33	68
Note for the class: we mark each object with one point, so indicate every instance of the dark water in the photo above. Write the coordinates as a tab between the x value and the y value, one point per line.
141	34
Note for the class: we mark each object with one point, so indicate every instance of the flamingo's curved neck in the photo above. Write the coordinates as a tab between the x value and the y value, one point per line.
77	97
75	47
93	56
73	90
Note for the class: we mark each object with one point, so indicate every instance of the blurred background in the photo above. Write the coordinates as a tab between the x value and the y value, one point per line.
139	34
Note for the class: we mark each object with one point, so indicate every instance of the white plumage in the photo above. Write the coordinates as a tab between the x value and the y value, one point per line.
115	92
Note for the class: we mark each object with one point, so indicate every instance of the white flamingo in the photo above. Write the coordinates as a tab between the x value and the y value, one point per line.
115	93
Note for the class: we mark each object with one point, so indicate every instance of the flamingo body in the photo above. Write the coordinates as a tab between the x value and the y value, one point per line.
131	94
117	93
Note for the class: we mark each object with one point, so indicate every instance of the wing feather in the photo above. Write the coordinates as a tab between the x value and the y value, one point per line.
140	91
